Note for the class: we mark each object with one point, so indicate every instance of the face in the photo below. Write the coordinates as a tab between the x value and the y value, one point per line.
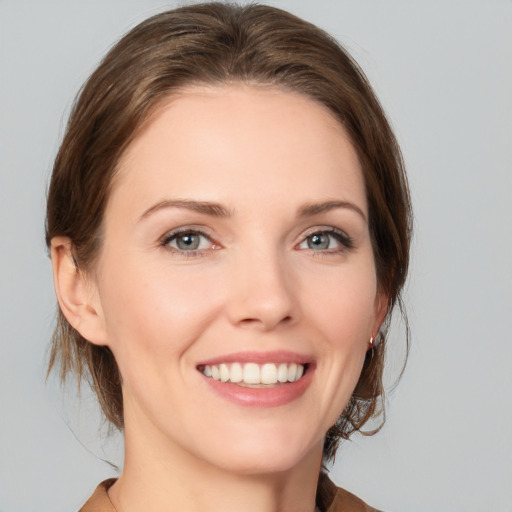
236	285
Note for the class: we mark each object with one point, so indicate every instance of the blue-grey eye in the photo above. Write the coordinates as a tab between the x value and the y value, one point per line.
188	241
319	241
328	240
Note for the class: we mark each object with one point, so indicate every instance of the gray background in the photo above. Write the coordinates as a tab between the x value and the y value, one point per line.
443	70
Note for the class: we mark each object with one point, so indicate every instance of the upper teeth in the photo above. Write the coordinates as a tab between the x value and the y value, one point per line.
252	373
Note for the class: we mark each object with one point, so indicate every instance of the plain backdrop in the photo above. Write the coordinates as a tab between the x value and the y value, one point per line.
443	71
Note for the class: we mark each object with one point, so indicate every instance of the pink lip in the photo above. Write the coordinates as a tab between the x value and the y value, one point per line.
280	394
276	356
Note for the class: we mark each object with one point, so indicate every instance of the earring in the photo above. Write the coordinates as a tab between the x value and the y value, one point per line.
371	342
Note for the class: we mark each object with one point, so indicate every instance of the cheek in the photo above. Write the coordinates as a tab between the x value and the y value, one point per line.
152	311
344	307
343	312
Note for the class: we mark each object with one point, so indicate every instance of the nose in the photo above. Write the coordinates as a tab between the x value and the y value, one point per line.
262	293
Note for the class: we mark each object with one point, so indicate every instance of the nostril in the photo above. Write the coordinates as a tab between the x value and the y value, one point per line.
248	322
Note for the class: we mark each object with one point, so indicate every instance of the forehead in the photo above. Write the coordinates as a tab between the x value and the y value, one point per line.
252	141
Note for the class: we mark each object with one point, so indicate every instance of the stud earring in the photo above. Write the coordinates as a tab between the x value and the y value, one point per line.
371	342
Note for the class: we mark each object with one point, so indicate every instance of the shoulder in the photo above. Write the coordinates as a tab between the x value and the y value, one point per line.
334	499
329	498
347	502
99	501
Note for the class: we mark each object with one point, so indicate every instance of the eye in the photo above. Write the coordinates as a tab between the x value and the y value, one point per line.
187	241
331	240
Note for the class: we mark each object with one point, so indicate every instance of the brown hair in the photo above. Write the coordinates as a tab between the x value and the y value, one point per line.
216	43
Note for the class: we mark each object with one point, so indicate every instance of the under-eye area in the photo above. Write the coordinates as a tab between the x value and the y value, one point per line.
255	374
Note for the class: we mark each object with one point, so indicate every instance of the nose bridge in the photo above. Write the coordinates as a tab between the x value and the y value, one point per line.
262	288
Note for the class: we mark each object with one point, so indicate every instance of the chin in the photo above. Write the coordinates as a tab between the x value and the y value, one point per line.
259	455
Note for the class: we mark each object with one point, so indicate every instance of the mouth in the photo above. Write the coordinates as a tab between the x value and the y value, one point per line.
255	375
259	379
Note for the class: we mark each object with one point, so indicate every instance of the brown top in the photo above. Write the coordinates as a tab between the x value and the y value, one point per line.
329	499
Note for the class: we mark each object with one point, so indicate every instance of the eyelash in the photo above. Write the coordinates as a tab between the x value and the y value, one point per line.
174	235
344	241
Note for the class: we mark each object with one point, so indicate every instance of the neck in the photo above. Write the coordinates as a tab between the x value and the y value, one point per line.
158	475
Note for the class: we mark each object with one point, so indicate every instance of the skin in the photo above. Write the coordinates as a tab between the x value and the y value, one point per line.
256	283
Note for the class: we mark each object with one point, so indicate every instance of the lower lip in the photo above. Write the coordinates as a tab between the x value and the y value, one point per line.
262	397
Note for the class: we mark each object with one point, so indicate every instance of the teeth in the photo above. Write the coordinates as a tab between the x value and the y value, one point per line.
236	373
224	373
292	372
269	374
252	373
282	373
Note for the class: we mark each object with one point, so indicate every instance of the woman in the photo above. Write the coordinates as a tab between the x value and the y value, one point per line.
229	227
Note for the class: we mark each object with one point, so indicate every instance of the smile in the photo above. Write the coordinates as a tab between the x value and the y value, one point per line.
259	379
253	373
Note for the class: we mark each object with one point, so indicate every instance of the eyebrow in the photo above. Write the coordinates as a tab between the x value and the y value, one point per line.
310	209
217	210
205	207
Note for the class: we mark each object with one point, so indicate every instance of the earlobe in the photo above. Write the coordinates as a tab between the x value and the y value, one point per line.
77	297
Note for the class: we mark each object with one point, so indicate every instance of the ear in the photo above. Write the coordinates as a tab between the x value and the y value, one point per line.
77	295
381	309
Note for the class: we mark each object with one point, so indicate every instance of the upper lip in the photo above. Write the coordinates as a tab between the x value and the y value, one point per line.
275	356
